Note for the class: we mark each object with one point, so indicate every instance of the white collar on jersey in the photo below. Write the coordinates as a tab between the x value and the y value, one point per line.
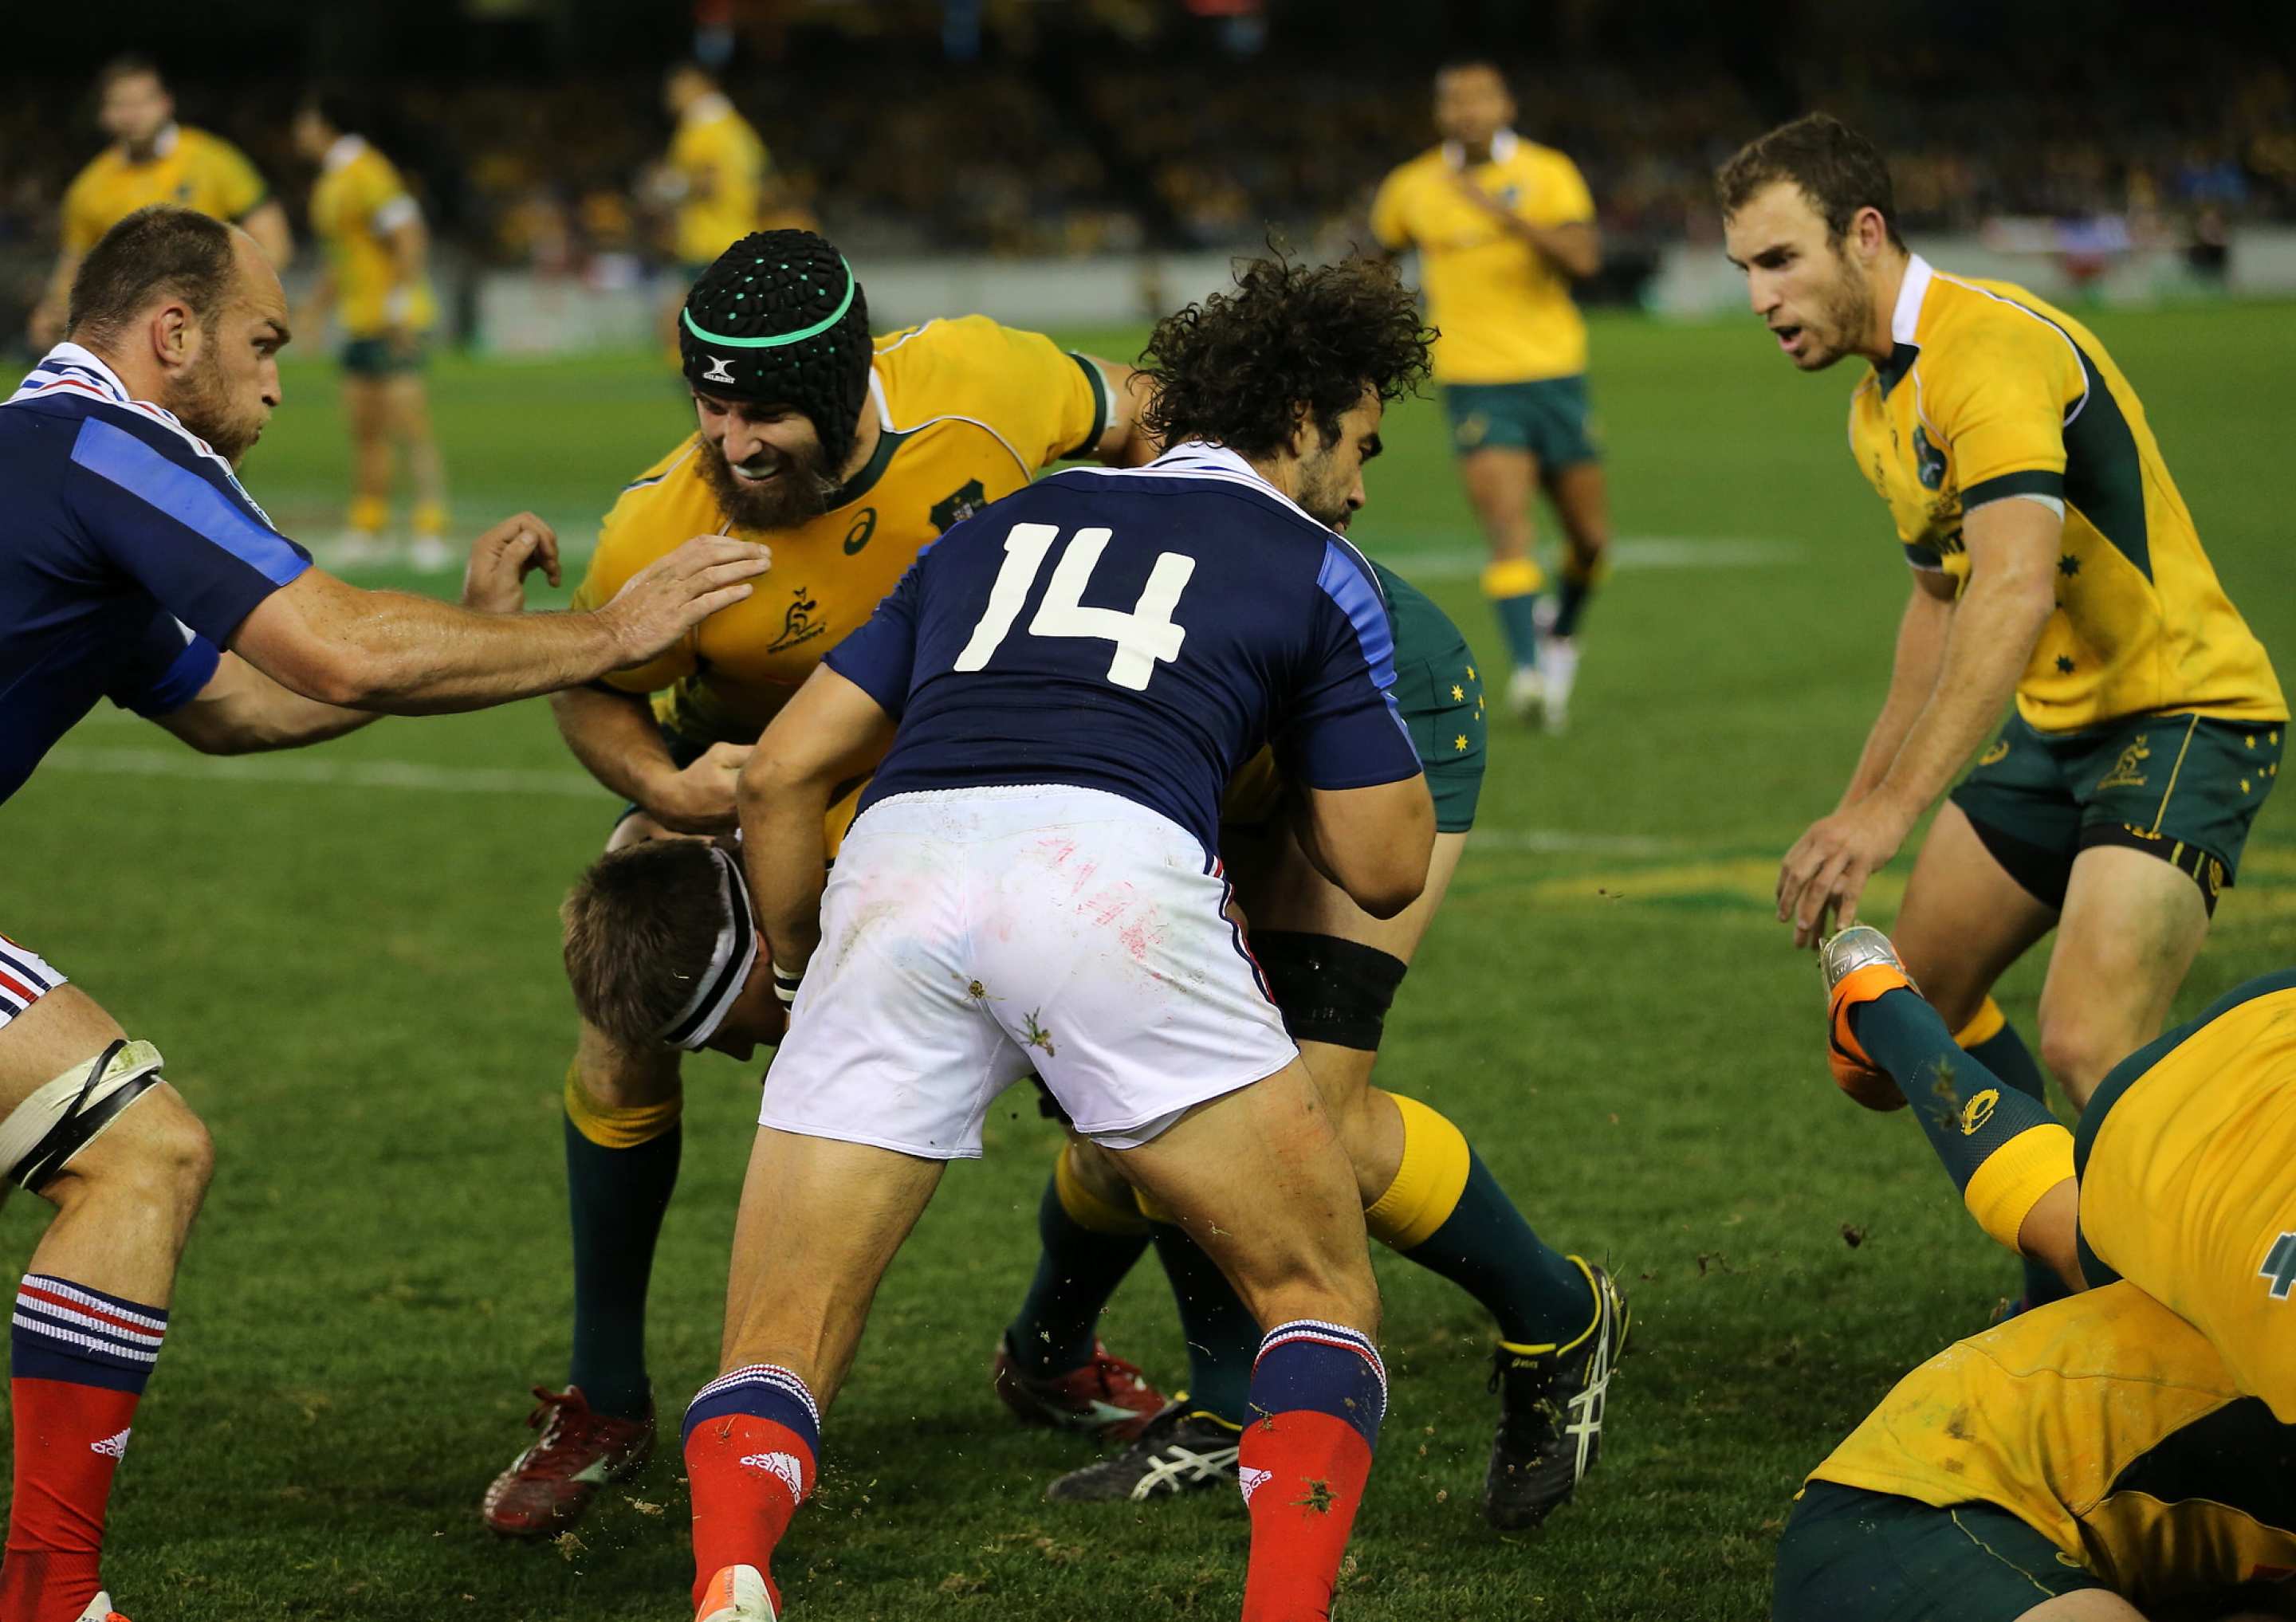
345	151
1503	145
1198	459
1911	292
75	355
1201	456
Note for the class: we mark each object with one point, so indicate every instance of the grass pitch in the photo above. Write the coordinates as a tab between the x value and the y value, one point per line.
349	957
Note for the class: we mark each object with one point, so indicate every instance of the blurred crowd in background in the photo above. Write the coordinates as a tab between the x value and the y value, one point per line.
1042	128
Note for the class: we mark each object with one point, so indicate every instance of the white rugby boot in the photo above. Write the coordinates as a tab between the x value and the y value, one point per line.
736	1593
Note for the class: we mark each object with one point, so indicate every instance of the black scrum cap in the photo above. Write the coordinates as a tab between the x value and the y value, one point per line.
780	317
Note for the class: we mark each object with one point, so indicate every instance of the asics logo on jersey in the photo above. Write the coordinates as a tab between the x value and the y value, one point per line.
1251	1480
113	1446
1978	1112
716	373
784	1467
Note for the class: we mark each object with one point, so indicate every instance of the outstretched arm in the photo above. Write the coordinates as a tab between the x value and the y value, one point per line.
241	711
404	654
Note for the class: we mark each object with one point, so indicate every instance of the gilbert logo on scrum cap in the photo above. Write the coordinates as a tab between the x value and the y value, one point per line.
716	373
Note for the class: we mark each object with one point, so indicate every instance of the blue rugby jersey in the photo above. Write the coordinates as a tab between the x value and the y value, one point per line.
128	555
1140	631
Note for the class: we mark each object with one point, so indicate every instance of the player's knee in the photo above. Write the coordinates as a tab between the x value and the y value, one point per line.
110	1116
2079	1051
162	1158
175	1146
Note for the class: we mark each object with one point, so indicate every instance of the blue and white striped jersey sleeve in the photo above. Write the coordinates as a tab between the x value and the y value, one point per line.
1342	727
170	515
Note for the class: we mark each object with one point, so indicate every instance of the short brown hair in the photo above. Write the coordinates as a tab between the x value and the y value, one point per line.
130	66
162	251
1238	368
1838	169
641	926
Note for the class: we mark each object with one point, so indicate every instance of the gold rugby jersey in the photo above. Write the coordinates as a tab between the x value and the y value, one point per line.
358	201
723	162
1990	393
2106	1423
188	166
967	411
1504	313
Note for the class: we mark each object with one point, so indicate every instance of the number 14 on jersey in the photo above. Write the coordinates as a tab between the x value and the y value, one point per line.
1145	637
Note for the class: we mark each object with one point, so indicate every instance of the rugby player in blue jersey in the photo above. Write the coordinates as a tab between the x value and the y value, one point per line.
135	567
1053	701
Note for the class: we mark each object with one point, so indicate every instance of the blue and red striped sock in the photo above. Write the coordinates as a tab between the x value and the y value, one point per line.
77	1361
751	1439
1318	1393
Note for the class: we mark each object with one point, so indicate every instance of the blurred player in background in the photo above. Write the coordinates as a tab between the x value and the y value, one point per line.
846	458
1502	226
2054	563
135	567
153	159
377	284
1034	879
717	178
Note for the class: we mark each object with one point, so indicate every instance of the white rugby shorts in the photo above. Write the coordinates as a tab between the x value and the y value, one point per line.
970	935
25	978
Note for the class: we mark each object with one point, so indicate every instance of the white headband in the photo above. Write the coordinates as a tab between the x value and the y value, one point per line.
720	985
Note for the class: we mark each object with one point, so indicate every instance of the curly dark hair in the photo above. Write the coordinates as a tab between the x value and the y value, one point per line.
1240	368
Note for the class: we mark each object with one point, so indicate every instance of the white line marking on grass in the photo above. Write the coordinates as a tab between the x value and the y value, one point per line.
1646	552
324	774
303	772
